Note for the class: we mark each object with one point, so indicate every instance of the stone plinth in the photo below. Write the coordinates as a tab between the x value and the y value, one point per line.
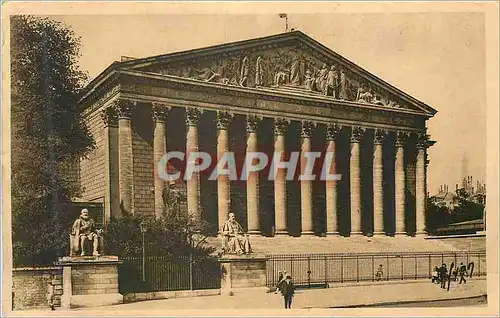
242	272
90	281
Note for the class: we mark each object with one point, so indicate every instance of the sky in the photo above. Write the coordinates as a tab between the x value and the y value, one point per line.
438	58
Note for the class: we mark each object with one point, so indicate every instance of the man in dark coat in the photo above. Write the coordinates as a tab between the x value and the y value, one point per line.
443	275
287	290
462	272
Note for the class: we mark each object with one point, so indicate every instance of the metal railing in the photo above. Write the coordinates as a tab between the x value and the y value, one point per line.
320	269
167	273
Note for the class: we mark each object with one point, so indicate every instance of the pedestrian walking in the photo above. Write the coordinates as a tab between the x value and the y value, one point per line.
380	273
462	272
287	290
443	275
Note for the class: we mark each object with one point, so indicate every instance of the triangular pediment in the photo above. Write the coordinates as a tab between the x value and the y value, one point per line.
290	62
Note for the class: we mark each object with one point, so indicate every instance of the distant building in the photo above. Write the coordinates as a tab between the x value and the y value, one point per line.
449	199
445	198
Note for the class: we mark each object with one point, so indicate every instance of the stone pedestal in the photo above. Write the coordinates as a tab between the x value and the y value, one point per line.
242	272
90	281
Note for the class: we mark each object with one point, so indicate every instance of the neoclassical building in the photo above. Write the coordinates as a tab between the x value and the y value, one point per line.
281	93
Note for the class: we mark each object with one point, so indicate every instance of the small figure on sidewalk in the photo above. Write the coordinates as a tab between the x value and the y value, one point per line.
281	277
287	290
50	297
443	275
435	275
380	273
462	271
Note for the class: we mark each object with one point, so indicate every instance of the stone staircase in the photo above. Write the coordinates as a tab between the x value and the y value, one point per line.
317	245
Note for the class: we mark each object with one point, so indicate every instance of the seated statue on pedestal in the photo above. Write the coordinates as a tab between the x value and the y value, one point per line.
84	230
234	239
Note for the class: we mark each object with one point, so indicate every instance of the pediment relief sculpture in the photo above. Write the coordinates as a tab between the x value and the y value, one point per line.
274	68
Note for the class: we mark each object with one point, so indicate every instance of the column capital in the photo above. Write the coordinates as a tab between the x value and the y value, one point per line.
401	137
124	108
253	123
160	112
307	128
379	136
280	126
357	133
223	120
192	116
332	131
109	116
422	140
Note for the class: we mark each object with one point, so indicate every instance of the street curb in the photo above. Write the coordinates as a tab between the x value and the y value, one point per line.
388	303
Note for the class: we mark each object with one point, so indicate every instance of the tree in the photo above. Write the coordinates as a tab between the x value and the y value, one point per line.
437	216
172	234
48	133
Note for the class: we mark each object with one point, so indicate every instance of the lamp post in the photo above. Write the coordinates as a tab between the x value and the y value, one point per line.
143	232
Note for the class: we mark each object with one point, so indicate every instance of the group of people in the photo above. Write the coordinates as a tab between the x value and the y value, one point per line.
440	275
286	287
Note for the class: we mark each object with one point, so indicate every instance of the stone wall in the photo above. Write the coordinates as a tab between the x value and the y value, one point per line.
92	168
31	287
94	279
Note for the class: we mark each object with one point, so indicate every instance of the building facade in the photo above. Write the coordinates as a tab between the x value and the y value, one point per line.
281	93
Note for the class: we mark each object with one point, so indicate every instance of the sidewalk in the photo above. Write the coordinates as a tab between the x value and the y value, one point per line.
319	298
335	297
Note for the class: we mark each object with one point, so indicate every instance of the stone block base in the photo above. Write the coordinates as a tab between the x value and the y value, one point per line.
96	300
242	272
90	281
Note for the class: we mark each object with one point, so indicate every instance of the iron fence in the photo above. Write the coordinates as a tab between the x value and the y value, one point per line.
168	273
310	270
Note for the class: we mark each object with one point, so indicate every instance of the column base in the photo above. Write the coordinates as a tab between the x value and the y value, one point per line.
281	233
332	233
356	233
421	234
307	233
254	233
379	233
400	234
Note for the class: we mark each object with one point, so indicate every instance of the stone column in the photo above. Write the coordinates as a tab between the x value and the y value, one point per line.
420	193
306	185
160	113
400	184
109	116
280	126
253	200
125	154
193	184
223	182
355	177
332	131
378	183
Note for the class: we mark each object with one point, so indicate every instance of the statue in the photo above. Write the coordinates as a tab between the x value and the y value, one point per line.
234	239
84	230
364	95
321	79
259	72
332	82
244	72
343	86
281	77
206	74
172	198
295	71
309	80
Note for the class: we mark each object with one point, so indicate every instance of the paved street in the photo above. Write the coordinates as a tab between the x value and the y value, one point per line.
340	296
317	298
